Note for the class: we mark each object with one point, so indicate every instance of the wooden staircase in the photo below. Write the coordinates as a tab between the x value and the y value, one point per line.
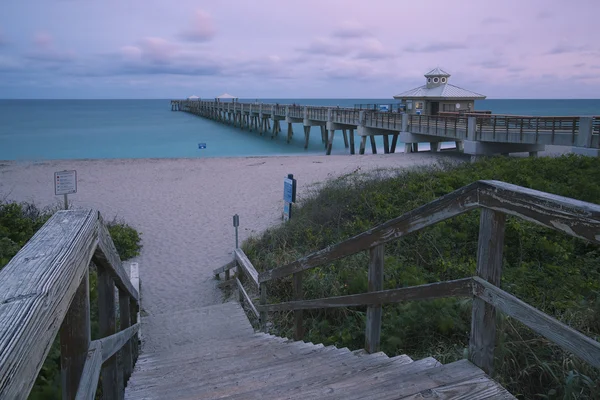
214	353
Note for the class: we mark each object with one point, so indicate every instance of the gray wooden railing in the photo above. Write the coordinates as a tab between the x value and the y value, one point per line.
496	200
44	292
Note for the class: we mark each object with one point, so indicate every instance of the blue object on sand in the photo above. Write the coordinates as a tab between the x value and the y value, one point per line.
201	145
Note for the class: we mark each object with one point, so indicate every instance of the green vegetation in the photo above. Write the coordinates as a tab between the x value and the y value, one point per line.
555	273
18	223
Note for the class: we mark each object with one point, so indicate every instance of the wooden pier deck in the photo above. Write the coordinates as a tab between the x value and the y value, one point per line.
475	134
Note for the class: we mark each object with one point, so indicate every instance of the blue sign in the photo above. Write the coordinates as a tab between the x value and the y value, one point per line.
288	190
287	211
384	107
201	145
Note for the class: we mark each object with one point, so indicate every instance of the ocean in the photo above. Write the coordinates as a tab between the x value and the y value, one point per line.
37	130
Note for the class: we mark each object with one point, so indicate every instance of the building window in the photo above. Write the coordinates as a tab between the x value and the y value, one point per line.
428	80
436	79
418	105
443	80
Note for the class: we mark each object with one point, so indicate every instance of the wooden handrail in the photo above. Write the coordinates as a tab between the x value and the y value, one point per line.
112	344
448	206
247	266
91	373
557	332
44	289
496	200
456	288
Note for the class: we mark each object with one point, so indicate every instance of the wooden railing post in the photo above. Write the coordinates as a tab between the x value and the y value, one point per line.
373	328
125	320
489	267
75	339
298	295
106	314
263	302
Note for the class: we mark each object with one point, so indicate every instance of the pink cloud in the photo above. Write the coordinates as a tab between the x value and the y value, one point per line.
43	40
350	30
158	50
202	28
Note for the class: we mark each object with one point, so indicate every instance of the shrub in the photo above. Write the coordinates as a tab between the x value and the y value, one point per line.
551	271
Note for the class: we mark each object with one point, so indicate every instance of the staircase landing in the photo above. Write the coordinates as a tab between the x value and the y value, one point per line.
215	354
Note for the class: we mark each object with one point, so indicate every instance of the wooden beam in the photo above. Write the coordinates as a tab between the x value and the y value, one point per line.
113	343
36	288
263	302
352	149
448	206
134	309
246	265
247	298
557	332
456	288
107	257
107	322
373	328
298	317
91	372
226	267
386	144
75	338
394	142
125	322
573	217
373	145
489	268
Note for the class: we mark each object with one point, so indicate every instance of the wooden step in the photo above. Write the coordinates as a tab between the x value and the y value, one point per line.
213	353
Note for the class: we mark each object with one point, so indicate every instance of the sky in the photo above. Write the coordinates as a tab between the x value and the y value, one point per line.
296	49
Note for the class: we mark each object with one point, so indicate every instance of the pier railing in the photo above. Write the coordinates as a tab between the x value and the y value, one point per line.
496	200
476	126
45	292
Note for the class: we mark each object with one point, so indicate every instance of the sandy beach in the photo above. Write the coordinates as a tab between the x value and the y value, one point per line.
184	207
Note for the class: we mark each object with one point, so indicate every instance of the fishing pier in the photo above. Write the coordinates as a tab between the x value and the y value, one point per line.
434	113
475	134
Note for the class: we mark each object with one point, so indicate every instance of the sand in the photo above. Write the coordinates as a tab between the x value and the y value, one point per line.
184	207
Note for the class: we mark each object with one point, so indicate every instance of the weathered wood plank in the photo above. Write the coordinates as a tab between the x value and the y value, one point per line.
489	267
125	322
247	298
373	326
246	266
107	324
456	288
75	338
573	217
36	288
113	343
106	256
263	312
226	267
298	314
134	307
559	333
448	206
91	372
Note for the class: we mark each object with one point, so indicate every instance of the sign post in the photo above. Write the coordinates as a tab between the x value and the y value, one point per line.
65	183
289	196
236	223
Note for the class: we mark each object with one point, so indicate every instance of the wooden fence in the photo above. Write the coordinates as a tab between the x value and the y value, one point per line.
44	291
496	200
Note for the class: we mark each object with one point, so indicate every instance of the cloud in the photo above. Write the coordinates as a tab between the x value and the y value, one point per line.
564	48
493	64
542	15
202	28
372	49
9	64
493	20
45	51
350	30
436	47
329	47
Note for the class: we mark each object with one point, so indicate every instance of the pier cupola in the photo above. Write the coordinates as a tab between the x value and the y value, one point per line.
437	96
436	77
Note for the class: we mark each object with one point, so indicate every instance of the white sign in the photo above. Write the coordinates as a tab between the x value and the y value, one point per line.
65	182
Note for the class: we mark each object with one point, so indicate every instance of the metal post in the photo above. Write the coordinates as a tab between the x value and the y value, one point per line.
236	224
66	202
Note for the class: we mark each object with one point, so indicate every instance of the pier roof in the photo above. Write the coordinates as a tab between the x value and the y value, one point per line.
442	91
437	72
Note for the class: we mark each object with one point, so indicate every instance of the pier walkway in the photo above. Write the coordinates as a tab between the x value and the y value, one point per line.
475	134
216	353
